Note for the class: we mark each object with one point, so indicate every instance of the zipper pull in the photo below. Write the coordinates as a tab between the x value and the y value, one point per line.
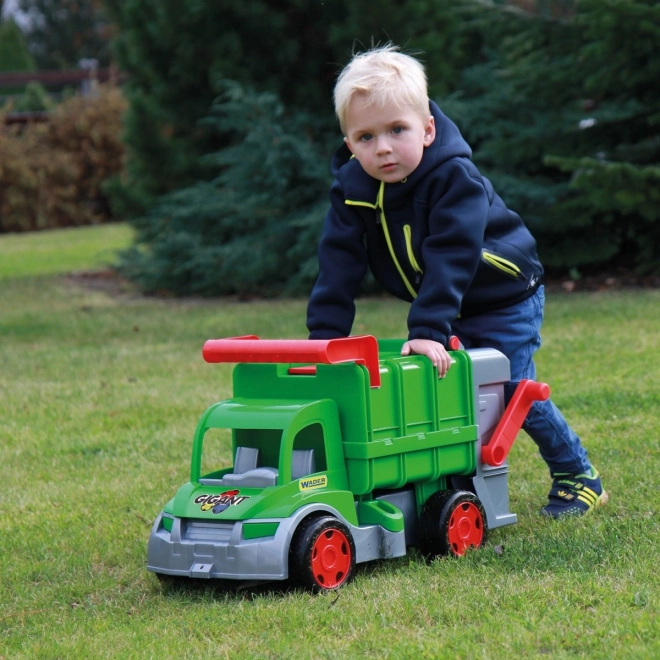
378	214
418	278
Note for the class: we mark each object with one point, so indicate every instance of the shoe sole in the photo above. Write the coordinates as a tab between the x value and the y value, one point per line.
602	499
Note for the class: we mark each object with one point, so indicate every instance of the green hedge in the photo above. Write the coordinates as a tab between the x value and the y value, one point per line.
564	119
562	114
254	227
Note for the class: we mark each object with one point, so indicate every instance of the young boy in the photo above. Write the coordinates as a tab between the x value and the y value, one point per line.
408	203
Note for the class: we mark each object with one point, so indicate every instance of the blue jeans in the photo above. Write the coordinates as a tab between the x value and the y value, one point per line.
515	331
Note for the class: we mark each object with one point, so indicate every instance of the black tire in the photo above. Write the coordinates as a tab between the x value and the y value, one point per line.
452	522
322	554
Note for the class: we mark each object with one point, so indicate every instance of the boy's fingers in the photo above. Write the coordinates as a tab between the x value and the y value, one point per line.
433	351
443	365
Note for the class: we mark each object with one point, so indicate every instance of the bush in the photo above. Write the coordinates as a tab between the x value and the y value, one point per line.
560	106
174	52
247	231
564	119
52	174
254	228
35	98
14	53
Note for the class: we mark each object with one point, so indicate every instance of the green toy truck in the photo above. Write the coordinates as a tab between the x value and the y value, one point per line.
344	452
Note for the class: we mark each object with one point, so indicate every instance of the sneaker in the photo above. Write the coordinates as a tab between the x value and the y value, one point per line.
574	495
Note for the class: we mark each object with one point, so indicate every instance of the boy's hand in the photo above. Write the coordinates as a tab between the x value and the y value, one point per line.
433	350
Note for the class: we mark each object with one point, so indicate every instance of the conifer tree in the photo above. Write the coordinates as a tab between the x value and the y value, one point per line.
563	118
14	53
253	228
175	53
246	215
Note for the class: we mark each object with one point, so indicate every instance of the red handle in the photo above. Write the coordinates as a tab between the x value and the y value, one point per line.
361	350
528	391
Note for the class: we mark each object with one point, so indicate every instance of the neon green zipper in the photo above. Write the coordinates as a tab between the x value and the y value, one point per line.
502	264
378	207
407	232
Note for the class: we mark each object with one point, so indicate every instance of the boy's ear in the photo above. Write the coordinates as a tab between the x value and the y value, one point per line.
348	144
429	132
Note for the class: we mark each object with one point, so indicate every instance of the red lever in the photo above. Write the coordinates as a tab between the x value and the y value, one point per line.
454	343
361	350
528	391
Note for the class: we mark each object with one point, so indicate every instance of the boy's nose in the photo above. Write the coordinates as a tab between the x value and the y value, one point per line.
383	147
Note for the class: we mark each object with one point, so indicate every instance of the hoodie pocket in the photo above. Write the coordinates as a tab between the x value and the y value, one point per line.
510	268
502	264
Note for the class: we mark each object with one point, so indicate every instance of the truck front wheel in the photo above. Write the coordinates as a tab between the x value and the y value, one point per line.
452	521
322	554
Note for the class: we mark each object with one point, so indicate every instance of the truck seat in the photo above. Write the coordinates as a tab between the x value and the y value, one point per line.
257	478
246	459
247	474
302	463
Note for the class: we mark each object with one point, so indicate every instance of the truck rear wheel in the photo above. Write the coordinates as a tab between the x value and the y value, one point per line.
322	554
452	521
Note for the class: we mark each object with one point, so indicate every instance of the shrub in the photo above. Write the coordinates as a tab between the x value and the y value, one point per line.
173	52
564	119
35	98
52	174
14	53
254	228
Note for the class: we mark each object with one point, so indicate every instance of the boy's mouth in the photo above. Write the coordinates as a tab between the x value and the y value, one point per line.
388	167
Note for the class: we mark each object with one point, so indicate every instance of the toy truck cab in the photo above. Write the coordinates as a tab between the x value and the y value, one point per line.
344	452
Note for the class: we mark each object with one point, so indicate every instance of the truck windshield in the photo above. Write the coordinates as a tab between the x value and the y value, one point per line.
218	453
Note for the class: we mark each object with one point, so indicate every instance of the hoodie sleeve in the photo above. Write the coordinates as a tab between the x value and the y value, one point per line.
342	267
451	253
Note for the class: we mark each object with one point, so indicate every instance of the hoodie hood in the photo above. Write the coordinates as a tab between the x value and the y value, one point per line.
358	185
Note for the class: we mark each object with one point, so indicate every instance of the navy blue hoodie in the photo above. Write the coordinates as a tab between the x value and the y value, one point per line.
441	239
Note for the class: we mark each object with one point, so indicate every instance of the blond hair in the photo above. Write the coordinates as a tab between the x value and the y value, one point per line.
386	76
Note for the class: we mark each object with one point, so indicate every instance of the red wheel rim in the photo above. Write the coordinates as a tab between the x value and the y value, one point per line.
331	558
466	528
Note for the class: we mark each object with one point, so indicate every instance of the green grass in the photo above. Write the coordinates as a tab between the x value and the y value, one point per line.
61	250
99	398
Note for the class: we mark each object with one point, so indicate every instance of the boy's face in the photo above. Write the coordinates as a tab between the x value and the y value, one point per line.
388	142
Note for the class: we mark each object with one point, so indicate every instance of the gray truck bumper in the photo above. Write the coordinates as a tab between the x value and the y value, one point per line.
219	550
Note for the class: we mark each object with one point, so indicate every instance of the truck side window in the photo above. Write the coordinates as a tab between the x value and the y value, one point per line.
311	437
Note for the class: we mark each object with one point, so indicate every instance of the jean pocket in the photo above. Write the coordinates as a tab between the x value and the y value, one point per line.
540	292
539	299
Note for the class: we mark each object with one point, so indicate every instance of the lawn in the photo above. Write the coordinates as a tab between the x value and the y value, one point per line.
61	250
100	393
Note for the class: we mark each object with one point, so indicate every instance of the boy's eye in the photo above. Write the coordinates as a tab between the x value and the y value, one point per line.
366	137
397	129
